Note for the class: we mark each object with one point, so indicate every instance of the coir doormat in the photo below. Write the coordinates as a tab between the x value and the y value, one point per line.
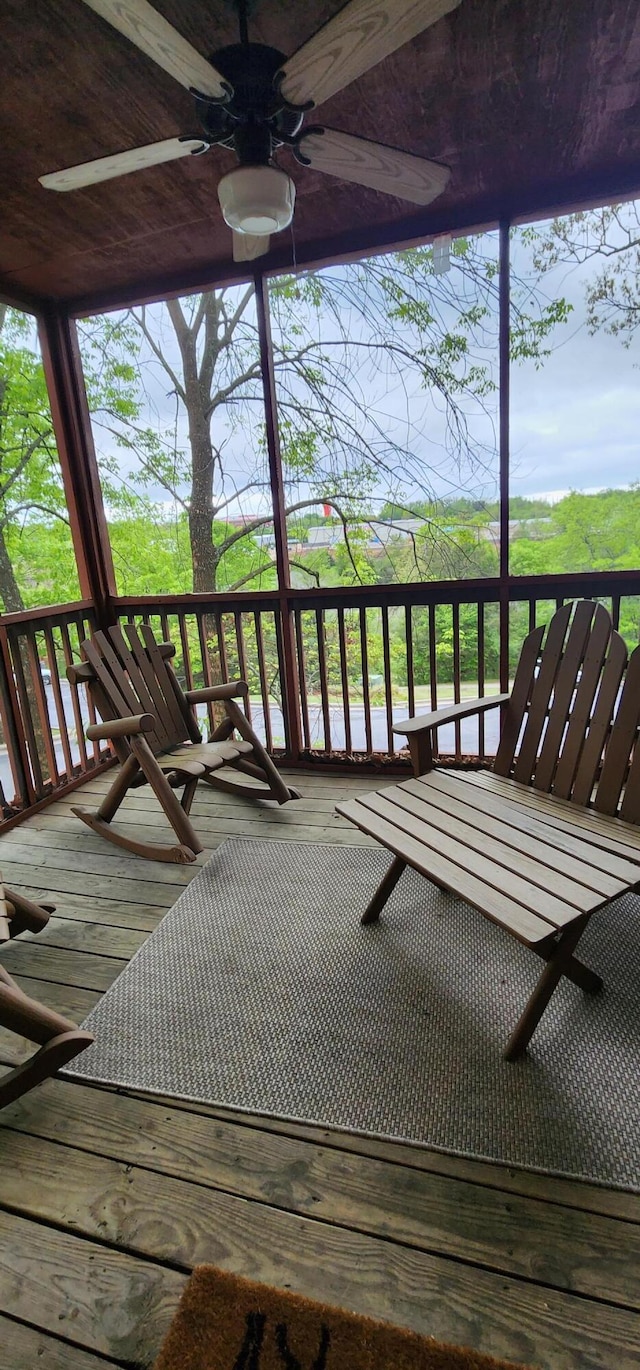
228	1323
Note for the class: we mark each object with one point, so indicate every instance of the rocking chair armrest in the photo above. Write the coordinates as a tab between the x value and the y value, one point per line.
121	727
235	689
423	722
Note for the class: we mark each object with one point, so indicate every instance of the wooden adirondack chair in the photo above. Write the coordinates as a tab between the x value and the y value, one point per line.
550	835
151	724
59	1039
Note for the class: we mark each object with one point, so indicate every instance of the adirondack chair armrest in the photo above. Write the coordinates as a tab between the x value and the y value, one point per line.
121	727
81	674
435	719
235	689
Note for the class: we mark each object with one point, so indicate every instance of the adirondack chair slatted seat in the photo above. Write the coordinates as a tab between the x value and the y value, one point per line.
550	835
58	1039
151	724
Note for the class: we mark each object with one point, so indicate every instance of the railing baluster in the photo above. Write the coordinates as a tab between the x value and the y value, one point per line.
59	703
75	696
13	732
206	665
408	637
222	647
264	688
388	687
242	659
344	676
42	706
302	678
455	619
81	631
433	670
186	650
25	712
366	700
322	671
481	678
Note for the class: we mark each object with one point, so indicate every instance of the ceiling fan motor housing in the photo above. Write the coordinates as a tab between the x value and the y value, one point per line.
256	117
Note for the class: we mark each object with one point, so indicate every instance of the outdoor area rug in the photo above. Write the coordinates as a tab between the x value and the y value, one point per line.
228	1323
261	991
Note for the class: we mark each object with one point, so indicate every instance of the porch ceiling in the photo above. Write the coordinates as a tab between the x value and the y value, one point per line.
534	104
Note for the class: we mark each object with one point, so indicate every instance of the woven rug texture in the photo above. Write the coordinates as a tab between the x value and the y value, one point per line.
261	991
228	1323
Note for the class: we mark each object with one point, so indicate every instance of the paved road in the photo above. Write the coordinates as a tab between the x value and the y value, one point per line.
469	730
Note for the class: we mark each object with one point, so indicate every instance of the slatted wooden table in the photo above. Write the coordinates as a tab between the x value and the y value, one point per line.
537	865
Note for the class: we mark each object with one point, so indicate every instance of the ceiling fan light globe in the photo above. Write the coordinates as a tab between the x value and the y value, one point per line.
257	199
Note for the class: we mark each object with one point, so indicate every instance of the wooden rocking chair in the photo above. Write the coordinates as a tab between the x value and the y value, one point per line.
59	1039
550	835
149	720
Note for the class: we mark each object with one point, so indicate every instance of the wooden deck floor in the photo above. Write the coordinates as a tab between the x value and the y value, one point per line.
108	1200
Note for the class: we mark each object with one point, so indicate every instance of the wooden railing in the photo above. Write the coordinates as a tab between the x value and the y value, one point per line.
329	670
364	657
43	750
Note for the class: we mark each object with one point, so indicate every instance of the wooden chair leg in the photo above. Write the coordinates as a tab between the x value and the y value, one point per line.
270	773
143	759
561	962
188	793
113	799
179	820
28	915
385	888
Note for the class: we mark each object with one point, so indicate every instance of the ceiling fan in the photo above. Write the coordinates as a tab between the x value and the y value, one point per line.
253	99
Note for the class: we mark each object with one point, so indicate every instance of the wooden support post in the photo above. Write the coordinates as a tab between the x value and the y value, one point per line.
504	364
286	639
72	427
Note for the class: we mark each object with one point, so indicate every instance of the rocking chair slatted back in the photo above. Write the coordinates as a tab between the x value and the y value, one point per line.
159	676
567	709
622	741
133	677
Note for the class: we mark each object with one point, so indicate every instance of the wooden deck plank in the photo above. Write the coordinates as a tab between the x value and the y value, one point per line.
458	1248
71	935
105	1300
557	1246
83	969
158	1218
25	1348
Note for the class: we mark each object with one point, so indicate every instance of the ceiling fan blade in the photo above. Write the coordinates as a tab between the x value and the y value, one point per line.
357	38
248	246
376	165
147	29
121	163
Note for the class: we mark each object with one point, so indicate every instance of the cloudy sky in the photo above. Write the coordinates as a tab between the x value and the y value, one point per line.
574	421
575	424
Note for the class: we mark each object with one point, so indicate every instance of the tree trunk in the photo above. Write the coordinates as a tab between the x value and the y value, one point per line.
10	595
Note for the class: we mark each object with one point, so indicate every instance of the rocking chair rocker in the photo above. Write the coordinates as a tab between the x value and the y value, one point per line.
59	1040
151	724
